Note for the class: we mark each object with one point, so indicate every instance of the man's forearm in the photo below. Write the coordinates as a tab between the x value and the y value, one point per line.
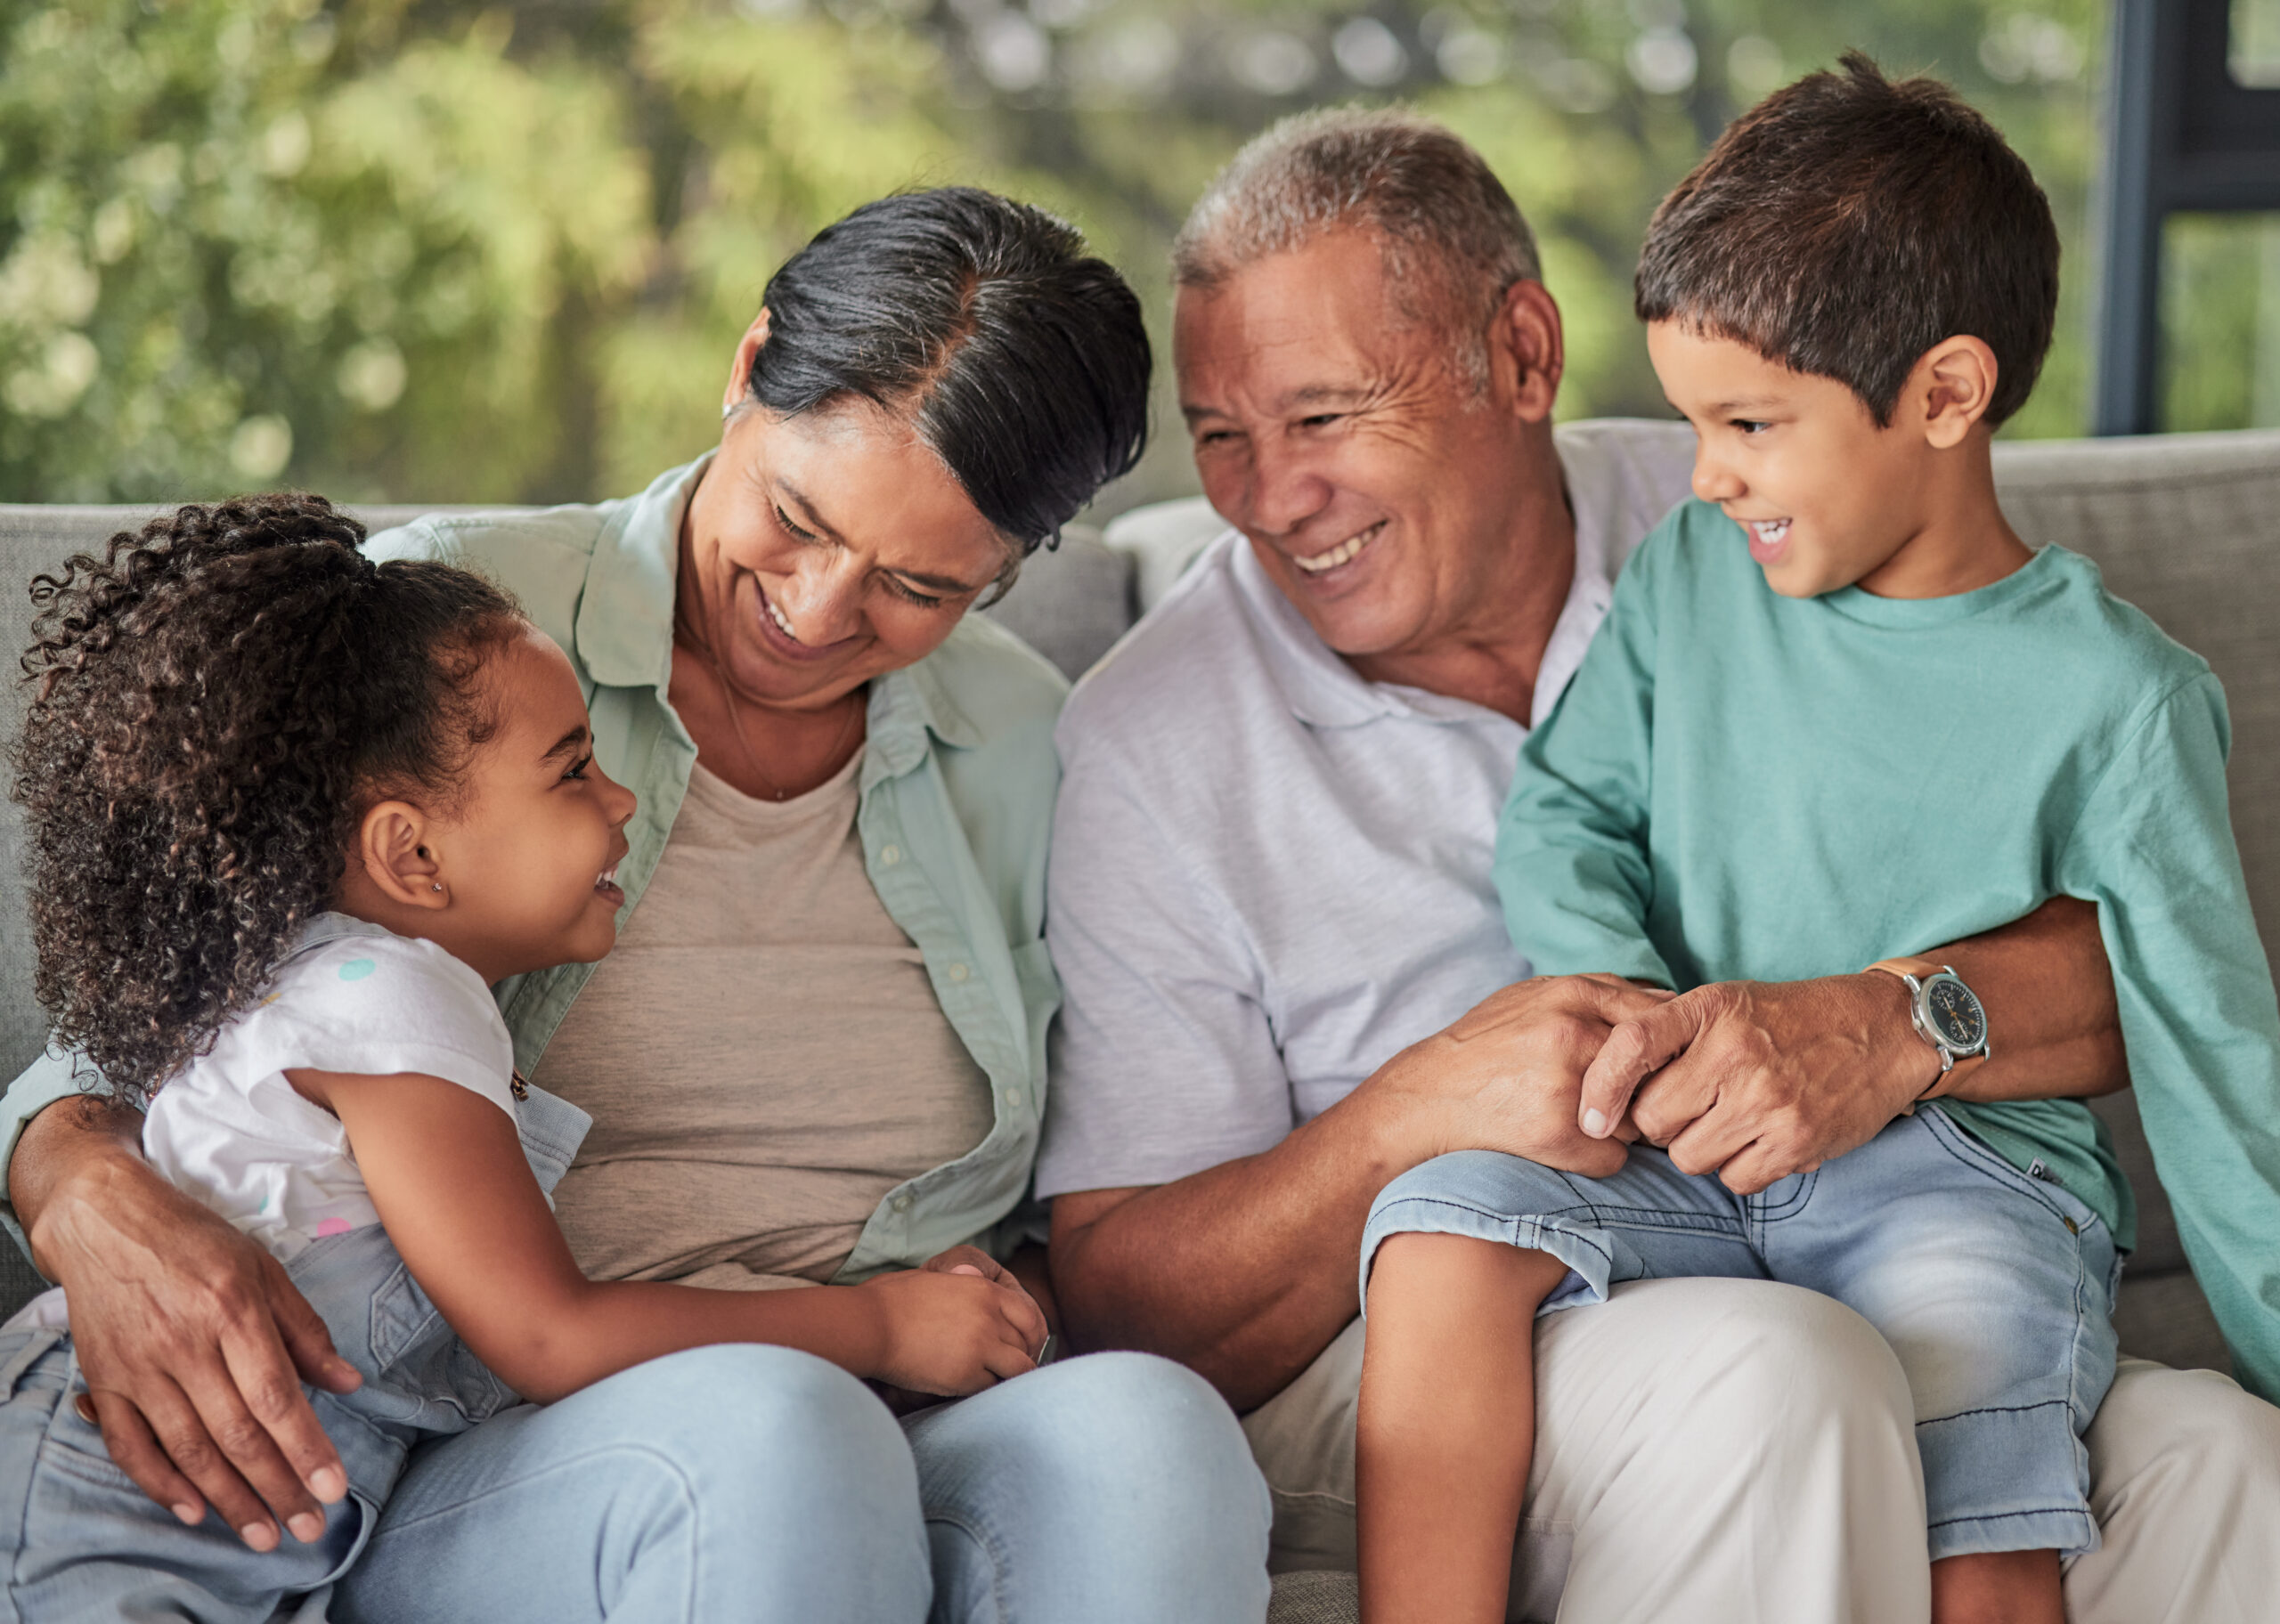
71	1137
2055	1031
1245	1271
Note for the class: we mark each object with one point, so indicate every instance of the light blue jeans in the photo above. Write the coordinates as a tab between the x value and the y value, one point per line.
1994	1289
737	1484
743	1484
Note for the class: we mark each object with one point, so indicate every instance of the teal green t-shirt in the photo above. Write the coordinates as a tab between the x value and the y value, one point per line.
1741	785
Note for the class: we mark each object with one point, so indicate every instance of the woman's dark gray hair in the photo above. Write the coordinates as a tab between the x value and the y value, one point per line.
1017	357
1453	241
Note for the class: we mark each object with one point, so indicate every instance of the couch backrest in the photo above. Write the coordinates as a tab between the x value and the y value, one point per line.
1070	604
2187	526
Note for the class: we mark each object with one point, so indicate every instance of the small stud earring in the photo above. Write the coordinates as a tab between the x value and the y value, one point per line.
436	886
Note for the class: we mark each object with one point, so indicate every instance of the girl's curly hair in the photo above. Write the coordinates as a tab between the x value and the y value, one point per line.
214	703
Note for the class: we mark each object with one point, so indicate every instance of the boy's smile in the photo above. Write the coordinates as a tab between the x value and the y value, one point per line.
1826	498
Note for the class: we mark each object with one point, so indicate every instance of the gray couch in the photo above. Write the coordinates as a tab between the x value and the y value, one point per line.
2187	526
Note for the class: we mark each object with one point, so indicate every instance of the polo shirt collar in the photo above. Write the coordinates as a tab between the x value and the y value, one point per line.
1322	691
625	628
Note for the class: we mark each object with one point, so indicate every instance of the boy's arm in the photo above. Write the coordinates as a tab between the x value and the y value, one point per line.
2153	848
1571	845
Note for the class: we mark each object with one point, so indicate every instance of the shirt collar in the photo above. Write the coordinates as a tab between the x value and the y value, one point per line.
625	628
1322	691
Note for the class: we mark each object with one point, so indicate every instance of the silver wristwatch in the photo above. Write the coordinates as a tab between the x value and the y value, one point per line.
1947	1015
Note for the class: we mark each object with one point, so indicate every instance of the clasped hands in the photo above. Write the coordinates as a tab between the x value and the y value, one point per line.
1752	1081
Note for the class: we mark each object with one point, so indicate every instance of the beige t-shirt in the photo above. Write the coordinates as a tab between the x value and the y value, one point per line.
762	1055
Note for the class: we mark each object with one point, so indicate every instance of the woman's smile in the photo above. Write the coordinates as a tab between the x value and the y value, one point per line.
775	625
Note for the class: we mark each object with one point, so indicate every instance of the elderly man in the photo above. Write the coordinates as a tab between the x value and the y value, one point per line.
1270	904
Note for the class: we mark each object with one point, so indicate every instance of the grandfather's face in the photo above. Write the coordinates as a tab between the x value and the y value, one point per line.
1376	486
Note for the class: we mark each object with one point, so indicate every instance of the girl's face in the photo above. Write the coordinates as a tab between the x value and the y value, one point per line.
822	550
526	860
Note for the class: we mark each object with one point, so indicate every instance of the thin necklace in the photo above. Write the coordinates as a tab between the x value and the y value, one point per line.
737	725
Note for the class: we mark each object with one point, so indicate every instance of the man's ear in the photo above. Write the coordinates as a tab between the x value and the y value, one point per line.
1953	385
1526	344
740	369
391	845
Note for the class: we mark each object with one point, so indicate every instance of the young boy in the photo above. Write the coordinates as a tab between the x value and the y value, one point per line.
1839	711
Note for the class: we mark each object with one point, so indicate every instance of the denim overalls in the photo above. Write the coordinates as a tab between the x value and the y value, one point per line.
81	1542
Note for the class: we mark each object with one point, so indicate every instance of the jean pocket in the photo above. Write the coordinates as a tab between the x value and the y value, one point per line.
20	1350
2080	1216
402	1316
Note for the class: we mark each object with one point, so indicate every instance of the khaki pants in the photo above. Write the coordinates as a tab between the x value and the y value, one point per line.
1715	1450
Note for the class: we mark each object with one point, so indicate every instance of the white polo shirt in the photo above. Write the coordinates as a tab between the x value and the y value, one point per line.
1269	875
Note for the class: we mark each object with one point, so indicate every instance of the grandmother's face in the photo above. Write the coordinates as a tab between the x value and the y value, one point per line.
827	549
1377	485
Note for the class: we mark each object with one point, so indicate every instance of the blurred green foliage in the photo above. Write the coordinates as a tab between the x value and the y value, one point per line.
416	250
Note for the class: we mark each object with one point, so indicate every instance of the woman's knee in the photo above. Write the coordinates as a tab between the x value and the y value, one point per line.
1121	1480
1129	1429
772	1430
1137	1403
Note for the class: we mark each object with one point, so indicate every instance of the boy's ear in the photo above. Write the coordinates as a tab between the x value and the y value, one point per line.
392	845
1953	384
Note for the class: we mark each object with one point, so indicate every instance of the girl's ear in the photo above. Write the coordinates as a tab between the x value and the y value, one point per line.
392	845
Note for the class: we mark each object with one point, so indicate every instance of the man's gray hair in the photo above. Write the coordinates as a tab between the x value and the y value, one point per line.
1453	238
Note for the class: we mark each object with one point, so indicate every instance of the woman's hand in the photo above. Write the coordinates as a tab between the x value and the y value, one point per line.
958	1325
194	1342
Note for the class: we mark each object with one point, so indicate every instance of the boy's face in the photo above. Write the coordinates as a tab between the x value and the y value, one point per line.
1824	497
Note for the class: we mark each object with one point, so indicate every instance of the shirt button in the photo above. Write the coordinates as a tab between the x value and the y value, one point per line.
902	1204
959	972
890	855
1012	1096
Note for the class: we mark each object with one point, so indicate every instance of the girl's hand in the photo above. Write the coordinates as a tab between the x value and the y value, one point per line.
953	1329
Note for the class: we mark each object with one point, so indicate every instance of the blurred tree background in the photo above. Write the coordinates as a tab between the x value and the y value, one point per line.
421	250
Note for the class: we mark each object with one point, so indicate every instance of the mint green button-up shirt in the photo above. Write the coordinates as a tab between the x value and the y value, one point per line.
957	784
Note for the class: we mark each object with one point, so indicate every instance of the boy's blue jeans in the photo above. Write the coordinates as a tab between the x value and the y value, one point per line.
1994	1289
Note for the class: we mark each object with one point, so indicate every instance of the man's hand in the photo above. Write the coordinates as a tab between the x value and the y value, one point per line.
1756	1080
1508	1076
194	1342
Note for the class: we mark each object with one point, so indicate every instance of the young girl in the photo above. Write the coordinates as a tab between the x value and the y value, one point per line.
290	814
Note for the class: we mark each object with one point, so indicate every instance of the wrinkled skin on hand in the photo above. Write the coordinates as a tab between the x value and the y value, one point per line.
1508	1076
194	1345
1757	1080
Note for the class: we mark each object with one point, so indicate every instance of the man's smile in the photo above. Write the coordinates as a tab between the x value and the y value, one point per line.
1344	552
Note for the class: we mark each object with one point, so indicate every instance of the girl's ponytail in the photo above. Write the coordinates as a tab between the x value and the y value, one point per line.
214	702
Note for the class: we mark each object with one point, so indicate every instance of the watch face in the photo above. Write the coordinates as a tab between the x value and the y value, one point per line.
1955	1013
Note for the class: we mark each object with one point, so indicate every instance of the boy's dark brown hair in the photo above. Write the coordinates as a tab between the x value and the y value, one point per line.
1845	224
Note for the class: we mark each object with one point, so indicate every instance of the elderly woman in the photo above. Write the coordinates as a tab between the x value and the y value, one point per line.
818	1052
